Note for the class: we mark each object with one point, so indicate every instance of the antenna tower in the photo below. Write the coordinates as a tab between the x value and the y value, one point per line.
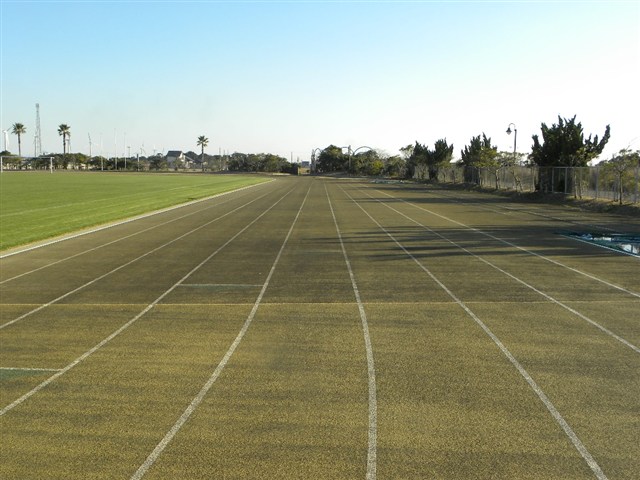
37	140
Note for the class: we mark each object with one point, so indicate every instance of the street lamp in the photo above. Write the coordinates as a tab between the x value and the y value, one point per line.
515	138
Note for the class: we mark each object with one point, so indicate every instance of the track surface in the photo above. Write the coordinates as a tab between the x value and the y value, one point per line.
321	328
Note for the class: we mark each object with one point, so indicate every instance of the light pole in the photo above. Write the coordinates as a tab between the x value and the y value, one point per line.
515	138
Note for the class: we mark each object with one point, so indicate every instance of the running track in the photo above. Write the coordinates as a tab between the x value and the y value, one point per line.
322	328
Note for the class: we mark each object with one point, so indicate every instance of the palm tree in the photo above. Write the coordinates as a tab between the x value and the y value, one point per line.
65	131
19	129
202	142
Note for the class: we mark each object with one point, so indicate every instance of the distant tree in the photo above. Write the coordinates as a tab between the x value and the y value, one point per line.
439	157
478	153
368	162
158	162
65	132
426	161
563	145
417	162
19	129
409	160
202	142
237	162
623	167
332	159
394	166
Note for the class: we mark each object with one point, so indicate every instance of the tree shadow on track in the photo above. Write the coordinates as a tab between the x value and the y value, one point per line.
456	242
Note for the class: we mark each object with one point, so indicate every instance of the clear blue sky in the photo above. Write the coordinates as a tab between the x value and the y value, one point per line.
289	76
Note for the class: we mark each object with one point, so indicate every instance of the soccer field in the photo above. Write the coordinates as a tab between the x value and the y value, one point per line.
313	327
39	205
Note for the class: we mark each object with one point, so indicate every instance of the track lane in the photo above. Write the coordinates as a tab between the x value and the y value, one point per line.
482	258
573	394
12	270
128	240
13	342
294	396
543	235
449	402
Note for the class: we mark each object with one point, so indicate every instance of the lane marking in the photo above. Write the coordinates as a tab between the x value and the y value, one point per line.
62	297
506	242
371	371
157	451
117	332
577	443
513	277
122	222
215	285
118	239
32	369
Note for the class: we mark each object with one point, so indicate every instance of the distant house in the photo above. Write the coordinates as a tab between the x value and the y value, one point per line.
175	159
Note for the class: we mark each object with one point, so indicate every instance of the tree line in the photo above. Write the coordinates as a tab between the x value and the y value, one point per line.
563	144
240	162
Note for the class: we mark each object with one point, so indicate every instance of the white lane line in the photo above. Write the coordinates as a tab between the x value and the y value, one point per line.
577	443
371	371
513	277
31	369
97	347
157	451
128	220
157	225
580	272
75	290
218	285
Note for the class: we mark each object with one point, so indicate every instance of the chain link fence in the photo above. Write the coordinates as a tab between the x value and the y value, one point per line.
605	182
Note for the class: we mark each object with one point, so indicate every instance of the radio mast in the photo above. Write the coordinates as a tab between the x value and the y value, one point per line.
37	140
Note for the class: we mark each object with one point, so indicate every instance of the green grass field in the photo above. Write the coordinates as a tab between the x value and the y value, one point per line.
38	205
325	329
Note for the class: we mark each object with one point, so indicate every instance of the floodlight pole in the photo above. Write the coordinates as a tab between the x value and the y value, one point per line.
515	138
